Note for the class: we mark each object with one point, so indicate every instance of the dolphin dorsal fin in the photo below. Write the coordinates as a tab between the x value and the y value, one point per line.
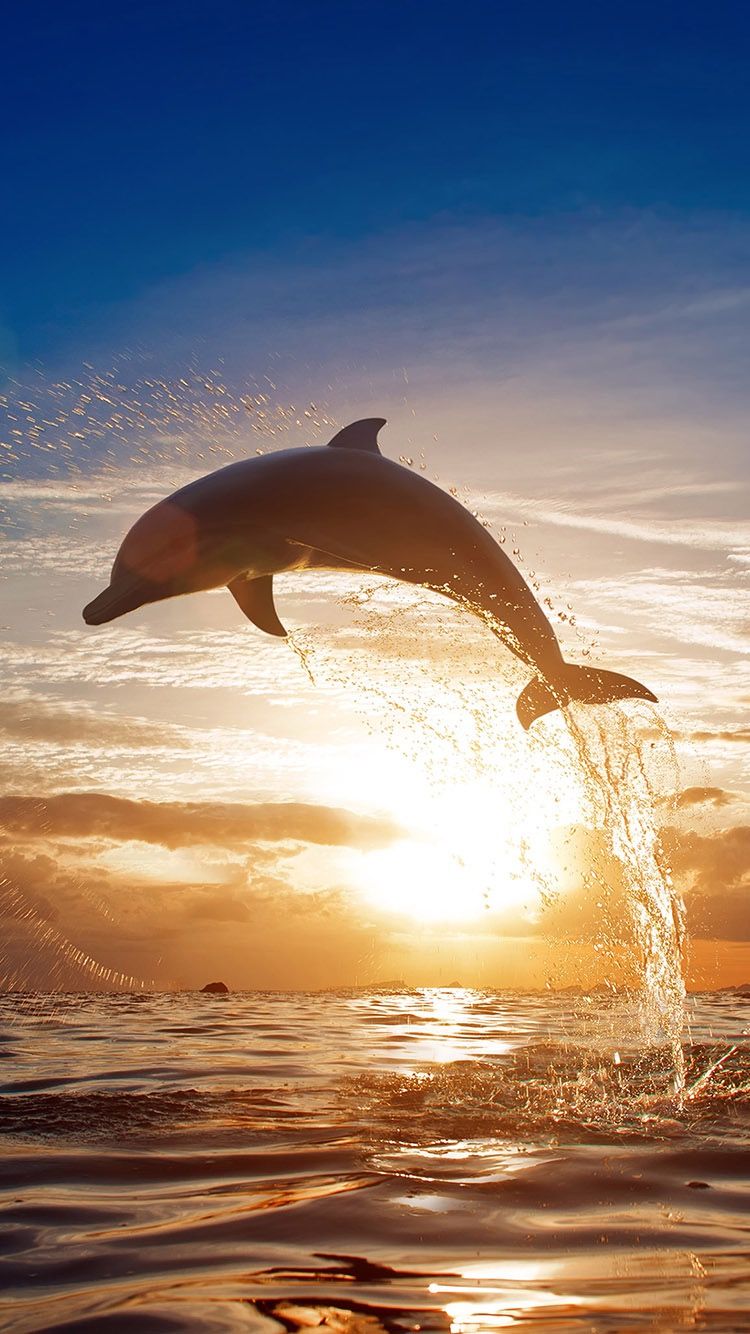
359	435
255	598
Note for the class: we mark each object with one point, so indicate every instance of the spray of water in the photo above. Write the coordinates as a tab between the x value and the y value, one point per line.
613	768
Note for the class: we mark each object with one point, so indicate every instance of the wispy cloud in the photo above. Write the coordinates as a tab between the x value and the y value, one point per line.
708	535
701	796
70	724
734	735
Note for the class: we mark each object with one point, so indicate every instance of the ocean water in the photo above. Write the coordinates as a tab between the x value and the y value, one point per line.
361	1161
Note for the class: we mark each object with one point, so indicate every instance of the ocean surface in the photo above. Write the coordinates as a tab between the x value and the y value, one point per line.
376	1160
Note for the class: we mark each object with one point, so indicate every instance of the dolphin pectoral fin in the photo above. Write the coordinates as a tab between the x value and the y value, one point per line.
255	598
361	435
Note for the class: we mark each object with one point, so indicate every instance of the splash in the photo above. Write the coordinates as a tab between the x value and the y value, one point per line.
488	800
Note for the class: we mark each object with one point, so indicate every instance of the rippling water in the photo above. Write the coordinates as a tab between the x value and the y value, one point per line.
364	1161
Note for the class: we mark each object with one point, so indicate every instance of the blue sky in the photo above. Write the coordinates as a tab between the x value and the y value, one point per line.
144	142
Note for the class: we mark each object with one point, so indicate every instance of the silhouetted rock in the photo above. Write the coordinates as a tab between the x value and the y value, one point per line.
216	988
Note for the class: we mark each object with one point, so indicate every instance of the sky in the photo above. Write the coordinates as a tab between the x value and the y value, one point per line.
520	234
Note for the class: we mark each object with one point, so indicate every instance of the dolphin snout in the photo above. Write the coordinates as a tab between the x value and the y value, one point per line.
112	602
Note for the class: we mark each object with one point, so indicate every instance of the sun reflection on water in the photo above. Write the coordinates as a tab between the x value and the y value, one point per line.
503	1312
508	1301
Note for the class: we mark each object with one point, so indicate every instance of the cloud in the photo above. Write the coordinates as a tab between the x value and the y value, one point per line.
73	929
719	916
215	906
51	554
70	724
713	862
222	659
694	613
481	291
712	872
56	930
187	824
740	735
710	535
73	921
699	796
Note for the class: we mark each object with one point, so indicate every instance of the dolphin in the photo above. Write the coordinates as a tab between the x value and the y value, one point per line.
343	506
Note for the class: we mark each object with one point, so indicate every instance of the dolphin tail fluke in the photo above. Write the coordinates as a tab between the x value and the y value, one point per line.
587	685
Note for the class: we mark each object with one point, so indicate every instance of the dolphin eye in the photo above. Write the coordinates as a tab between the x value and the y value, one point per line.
161	545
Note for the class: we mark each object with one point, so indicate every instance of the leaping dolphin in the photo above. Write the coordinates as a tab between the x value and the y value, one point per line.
343	506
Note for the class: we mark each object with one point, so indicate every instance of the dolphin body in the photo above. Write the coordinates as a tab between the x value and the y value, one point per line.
343	506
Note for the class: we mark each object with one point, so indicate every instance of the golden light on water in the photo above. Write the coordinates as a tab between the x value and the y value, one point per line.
496	1294
484	1309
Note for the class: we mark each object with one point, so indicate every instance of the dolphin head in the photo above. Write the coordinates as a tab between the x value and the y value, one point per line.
168	551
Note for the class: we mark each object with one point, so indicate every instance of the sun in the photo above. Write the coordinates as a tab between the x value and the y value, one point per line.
473	798
420	880
460	862
476	843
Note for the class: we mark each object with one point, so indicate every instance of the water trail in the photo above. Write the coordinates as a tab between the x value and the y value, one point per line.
303	652
612	752
630	771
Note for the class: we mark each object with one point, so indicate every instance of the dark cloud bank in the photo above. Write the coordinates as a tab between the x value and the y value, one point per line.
74	815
